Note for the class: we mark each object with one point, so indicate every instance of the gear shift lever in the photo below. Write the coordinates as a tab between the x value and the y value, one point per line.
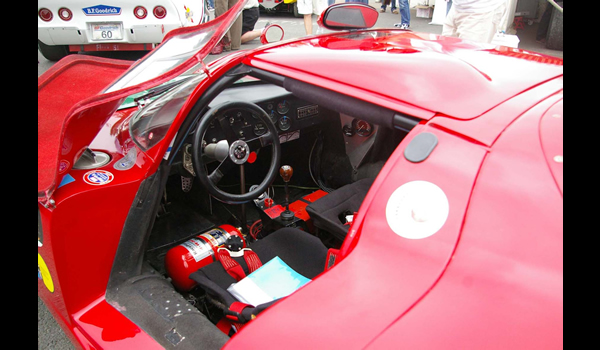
286	172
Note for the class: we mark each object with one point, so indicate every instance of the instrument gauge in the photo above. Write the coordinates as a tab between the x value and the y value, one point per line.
283	107
362	128
273	117
259	129
284	123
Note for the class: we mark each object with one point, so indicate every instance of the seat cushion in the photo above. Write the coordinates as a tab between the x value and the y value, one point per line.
302	251
325	212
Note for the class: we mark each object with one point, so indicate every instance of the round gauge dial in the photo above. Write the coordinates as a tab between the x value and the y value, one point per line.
284	123
259	129
273	117
362	128
283	107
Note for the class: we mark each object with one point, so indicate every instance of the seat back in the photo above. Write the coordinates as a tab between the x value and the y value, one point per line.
326	211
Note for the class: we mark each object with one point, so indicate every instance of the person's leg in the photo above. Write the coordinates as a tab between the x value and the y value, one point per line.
404	12
308	23
384	4
542	30
305	7
480	27
235	32
449	27
251	35
249	19
221	8
394	8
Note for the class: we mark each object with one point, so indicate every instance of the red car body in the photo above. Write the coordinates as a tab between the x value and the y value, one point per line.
490	277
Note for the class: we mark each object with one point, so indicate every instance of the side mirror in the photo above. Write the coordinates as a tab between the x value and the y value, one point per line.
271	34
349	15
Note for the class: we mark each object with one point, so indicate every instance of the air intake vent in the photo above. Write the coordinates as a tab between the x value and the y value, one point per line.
91	160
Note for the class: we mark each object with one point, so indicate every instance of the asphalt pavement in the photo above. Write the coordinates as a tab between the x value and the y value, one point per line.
50	335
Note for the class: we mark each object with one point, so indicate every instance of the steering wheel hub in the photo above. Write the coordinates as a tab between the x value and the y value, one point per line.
239	152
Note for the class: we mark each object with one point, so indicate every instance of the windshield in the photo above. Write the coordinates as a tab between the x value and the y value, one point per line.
177	47
152	122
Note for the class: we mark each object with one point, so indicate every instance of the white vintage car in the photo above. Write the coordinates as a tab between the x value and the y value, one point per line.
279	6
67	26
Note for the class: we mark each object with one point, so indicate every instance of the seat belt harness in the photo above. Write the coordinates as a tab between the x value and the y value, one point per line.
232	267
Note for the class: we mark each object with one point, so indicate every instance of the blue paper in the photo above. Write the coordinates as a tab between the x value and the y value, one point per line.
272	281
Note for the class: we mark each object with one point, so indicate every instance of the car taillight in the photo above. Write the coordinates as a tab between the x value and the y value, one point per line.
159	12
45	14
65	14
140	12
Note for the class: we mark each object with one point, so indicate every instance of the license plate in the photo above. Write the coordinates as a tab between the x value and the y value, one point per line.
107	31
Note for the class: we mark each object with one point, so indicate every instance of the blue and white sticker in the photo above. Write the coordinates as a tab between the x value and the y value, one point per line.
98	177
102	10
417	210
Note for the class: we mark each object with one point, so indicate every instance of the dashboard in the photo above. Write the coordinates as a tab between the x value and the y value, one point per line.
288	113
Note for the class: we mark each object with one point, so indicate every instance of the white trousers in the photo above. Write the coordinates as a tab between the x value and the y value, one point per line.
479	27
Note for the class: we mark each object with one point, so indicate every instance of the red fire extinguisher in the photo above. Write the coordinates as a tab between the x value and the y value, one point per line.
196	253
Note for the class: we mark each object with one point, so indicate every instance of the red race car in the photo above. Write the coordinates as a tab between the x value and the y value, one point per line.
362	188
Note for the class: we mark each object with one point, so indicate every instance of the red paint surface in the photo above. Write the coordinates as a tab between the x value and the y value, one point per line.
106	328
460	79
504	287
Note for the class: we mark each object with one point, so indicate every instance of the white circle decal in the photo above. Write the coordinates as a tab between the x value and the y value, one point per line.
417	209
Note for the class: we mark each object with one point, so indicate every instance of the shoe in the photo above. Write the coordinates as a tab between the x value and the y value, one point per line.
404	26
218	49
395	11
223	45
266	25
382	10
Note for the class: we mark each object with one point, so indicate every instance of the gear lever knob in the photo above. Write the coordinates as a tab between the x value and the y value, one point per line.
286	172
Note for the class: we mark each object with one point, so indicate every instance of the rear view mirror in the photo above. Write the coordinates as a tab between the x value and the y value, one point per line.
271	34
348	15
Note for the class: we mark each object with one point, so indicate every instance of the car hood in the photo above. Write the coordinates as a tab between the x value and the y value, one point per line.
79	93
426	73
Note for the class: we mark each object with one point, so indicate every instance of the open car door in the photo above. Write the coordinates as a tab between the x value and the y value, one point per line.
79	93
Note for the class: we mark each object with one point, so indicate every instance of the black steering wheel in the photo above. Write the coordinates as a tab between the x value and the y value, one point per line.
237	150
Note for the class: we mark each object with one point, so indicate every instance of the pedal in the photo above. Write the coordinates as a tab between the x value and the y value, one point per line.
186	183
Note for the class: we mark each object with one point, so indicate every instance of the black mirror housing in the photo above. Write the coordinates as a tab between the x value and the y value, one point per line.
348	16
